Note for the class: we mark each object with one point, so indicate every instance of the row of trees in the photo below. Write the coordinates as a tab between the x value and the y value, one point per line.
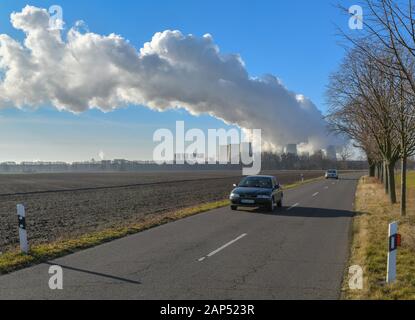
317	161
372	95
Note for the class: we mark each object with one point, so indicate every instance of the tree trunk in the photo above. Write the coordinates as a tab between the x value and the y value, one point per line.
381	170
385	174
372	170
403	185
391	180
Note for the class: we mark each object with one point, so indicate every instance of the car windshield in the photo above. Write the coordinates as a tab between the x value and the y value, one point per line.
256	182
332	171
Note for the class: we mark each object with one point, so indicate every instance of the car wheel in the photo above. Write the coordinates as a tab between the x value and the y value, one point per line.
272	205
234	208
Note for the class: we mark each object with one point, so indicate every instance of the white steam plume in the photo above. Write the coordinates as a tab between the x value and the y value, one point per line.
78	71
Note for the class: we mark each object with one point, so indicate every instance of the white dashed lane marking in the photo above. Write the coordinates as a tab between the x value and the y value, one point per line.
223	247
292	207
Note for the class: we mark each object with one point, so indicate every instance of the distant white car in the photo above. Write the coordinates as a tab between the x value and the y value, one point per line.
332	174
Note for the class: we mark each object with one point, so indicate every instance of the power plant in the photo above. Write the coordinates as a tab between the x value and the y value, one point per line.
291	149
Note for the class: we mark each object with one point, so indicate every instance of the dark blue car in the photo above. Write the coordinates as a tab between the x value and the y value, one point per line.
257	191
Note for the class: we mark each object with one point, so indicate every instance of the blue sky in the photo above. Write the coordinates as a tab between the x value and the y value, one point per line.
294	40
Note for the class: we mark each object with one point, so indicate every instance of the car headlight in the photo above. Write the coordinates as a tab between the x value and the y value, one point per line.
235	196
264	196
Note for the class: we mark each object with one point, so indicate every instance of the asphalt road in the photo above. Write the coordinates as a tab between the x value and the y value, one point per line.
298	252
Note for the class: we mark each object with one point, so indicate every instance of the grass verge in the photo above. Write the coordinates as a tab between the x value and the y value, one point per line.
14	260
410	179
370	244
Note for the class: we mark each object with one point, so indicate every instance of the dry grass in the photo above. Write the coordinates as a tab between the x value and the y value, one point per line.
410	177
370	243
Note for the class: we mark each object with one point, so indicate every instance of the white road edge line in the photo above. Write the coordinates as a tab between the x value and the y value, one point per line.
316	194
292	207
223	247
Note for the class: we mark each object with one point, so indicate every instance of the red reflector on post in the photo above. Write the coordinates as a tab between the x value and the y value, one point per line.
398	240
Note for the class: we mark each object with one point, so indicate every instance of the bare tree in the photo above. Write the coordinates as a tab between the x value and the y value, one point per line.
391	24
404	123
346	153
361	99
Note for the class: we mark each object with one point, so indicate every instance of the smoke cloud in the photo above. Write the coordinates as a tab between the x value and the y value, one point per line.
76	71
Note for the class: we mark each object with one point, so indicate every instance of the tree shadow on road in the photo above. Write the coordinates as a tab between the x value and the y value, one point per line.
94	273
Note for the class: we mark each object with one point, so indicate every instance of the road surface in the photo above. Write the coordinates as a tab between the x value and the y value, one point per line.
298	252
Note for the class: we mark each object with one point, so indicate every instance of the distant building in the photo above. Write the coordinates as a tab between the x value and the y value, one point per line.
195	158
179	158
246	149
106	164
224	154
183	158
331	153
121	164
291	149
234	153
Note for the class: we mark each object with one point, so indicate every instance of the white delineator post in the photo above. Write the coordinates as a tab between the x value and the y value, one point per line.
24	246
393	252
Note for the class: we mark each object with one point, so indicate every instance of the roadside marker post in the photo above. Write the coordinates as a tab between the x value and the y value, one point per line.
394	243
24	245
